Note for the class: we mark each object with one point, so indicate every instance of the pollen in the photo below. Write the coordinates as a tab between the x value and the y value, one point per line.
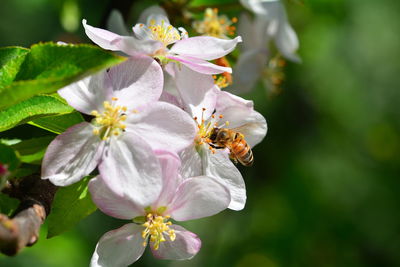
206	128
215	25
157	227
110	121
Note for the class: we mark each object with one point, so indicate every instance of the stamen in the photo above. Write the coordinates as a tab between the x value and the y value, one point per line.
215	25
156	227
109	122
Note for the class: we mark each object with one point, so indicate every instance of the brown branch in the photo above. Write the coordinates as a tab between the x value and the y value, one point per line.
22	229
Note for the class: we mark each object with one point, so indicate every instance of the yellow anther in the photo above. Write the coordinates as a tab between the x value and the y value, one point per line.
156	227
114	98
214	25
109	122
227	123
135	111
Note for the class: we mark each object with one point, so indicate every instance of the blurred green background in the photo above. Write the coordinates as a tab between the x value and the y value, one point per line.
324	187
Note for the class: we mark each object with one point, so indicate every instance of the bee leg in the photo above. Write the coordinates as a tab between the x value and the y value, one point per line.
216	147
233	158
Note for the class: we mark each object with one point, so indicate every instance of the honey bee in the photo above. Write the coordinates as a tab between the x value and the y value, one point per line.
240	151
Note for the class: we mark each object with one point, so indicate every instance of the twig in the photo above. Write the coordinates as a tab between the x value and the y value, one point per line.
22	229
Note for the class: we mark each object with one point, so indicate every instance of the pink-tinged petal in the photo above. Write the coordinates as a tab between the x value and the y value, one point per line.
136	82
227	100
110	203
219	165
205	47
102	38
197	91
198	197
192	162
153	12
115	23
170	98
131	170
72	155
119	248
248	70
132	46
88	94
242	118
200	65
170	165
184	247
164	126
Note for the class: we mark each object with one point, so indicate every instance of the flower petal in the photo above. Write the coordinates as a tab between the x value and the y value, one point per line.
88	94
200	65
153	12
198	197
101	37
170	165
192	162
197	91
115	23
164	126
257	6
119	248
110	203
140	177
72	155
287	42
219	165
136	82
184	247
242	117
227	100
132	46
205	47
248	70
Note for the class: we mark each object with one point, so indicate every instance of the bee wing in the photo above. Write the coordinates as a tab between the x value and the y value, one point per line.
241	129
248	130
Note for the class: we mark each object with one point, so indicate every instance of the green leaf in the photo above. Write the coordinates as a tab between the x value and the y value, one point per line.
71	204
8	205
33	108
11	59
33	150
49	67
9	157
58	124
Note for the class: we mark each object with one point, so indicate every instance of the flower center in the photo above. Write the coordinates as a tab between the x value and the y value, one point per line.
274	74
109	122
206	129
214	25
156	227
164	32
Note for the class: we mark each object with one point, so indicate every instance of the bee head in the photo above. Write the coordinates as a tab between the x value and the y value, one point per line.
214	134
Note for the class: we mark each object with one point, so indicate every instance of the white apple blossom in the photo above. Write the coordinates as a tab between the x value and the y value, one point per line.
219	109
129	121
153	36
276	25
270	23
179	199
